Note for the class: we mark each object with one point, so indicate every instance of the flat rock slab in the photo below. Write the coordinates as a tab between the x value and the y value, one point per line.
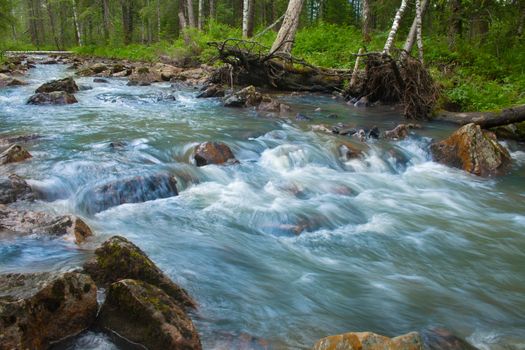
39	308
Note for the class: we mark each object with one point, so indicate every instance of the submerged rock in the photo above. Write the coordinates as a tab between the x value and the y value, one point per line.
247	97
213	153
13	221
100	80
6	80
401	131
349	150
13	188
369	341
514	131
14	154
147	315
442	339
67	85
8	140
131	190
269	104
37	309
119	259
52	98
473	150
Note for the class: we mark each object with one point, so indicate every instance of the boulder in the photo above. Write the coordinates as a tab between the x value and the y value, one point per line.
8	140
349	150
166	71
511	131
13	154
131	190
143	76
100	80
212	90
473	150
269	104
37	309
13	188
147	315
370	341
67	85
52	98
213	153
119	259
98	67
13	221
247	97
6	80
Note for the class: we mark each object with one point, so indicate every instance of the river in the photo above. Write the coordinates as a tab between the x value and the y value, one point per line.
390	243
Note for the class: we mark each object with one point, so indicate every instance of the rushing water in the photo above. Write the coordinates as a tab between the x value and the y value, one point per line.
391	243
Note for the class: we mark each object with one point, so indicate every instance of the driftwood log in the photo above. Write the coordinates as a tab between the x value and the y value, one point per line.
254	64
484	119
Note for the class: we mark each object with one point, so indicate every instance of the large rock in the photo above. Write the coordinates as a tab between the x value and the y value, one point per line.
511	131
67	85
143	76
166	71
119	259
6	80
212	90
473	150
369	341
13	188
131	190
13	221
52	98
13	154
247	97
213	153
41	308
442	339
146	315
400	132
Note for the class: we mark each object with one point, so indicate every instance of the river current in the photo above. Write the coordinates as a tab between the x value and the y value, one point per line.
389	243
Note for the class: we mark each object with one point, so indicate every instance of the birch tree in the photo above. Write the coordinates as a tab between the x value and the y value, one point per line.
411	38
395	26
201	14
247	18
286	35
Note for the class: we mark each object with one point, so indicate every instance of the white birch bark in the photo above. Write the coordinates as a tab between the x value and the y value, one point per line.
286	35
245	15
395	26
77	25
201	14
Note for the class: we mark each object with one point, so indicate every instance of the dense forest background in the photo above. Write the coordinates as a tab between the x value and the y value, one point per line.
474	48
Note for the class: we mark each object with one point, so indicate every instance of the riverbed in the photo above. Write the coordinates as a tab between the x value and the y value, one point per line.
295	242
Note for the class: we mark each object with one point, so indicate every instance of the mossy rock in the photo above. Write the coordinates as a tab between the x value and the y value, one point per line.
145	314
119	259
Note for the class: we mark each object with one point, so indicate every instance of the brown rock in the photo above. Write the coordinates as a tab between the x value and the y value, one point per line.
247	97
52	98
143	76
473	150
67	85
442	339
98	68
8	140
269	104
349	150
119	259
13	188
40	308
13	154
146	315
30	222
212	90
401	131
369	341
213	153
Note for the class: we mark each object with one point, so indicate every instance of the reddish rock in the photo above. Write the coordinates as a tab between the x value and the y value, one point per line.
13	154
146	315
473	150
369	341
213	153
40	308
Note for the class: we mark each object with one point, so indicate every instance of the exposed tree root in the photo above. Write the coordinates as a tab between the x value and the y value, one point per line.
251	64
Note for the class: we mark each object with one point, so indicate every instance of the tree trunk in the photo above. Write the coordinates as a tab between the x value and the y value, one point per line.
521	20
456	25
395	26
286	35
245	17
251	17
158	20
366	21
212	9
201	14
411	38
52	23
191	16
78	33
127	20
419	34
106	19
485	119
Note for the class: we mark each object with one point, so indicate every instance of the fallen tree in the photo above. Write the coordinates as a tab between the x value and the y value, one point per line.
484	119
250	63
